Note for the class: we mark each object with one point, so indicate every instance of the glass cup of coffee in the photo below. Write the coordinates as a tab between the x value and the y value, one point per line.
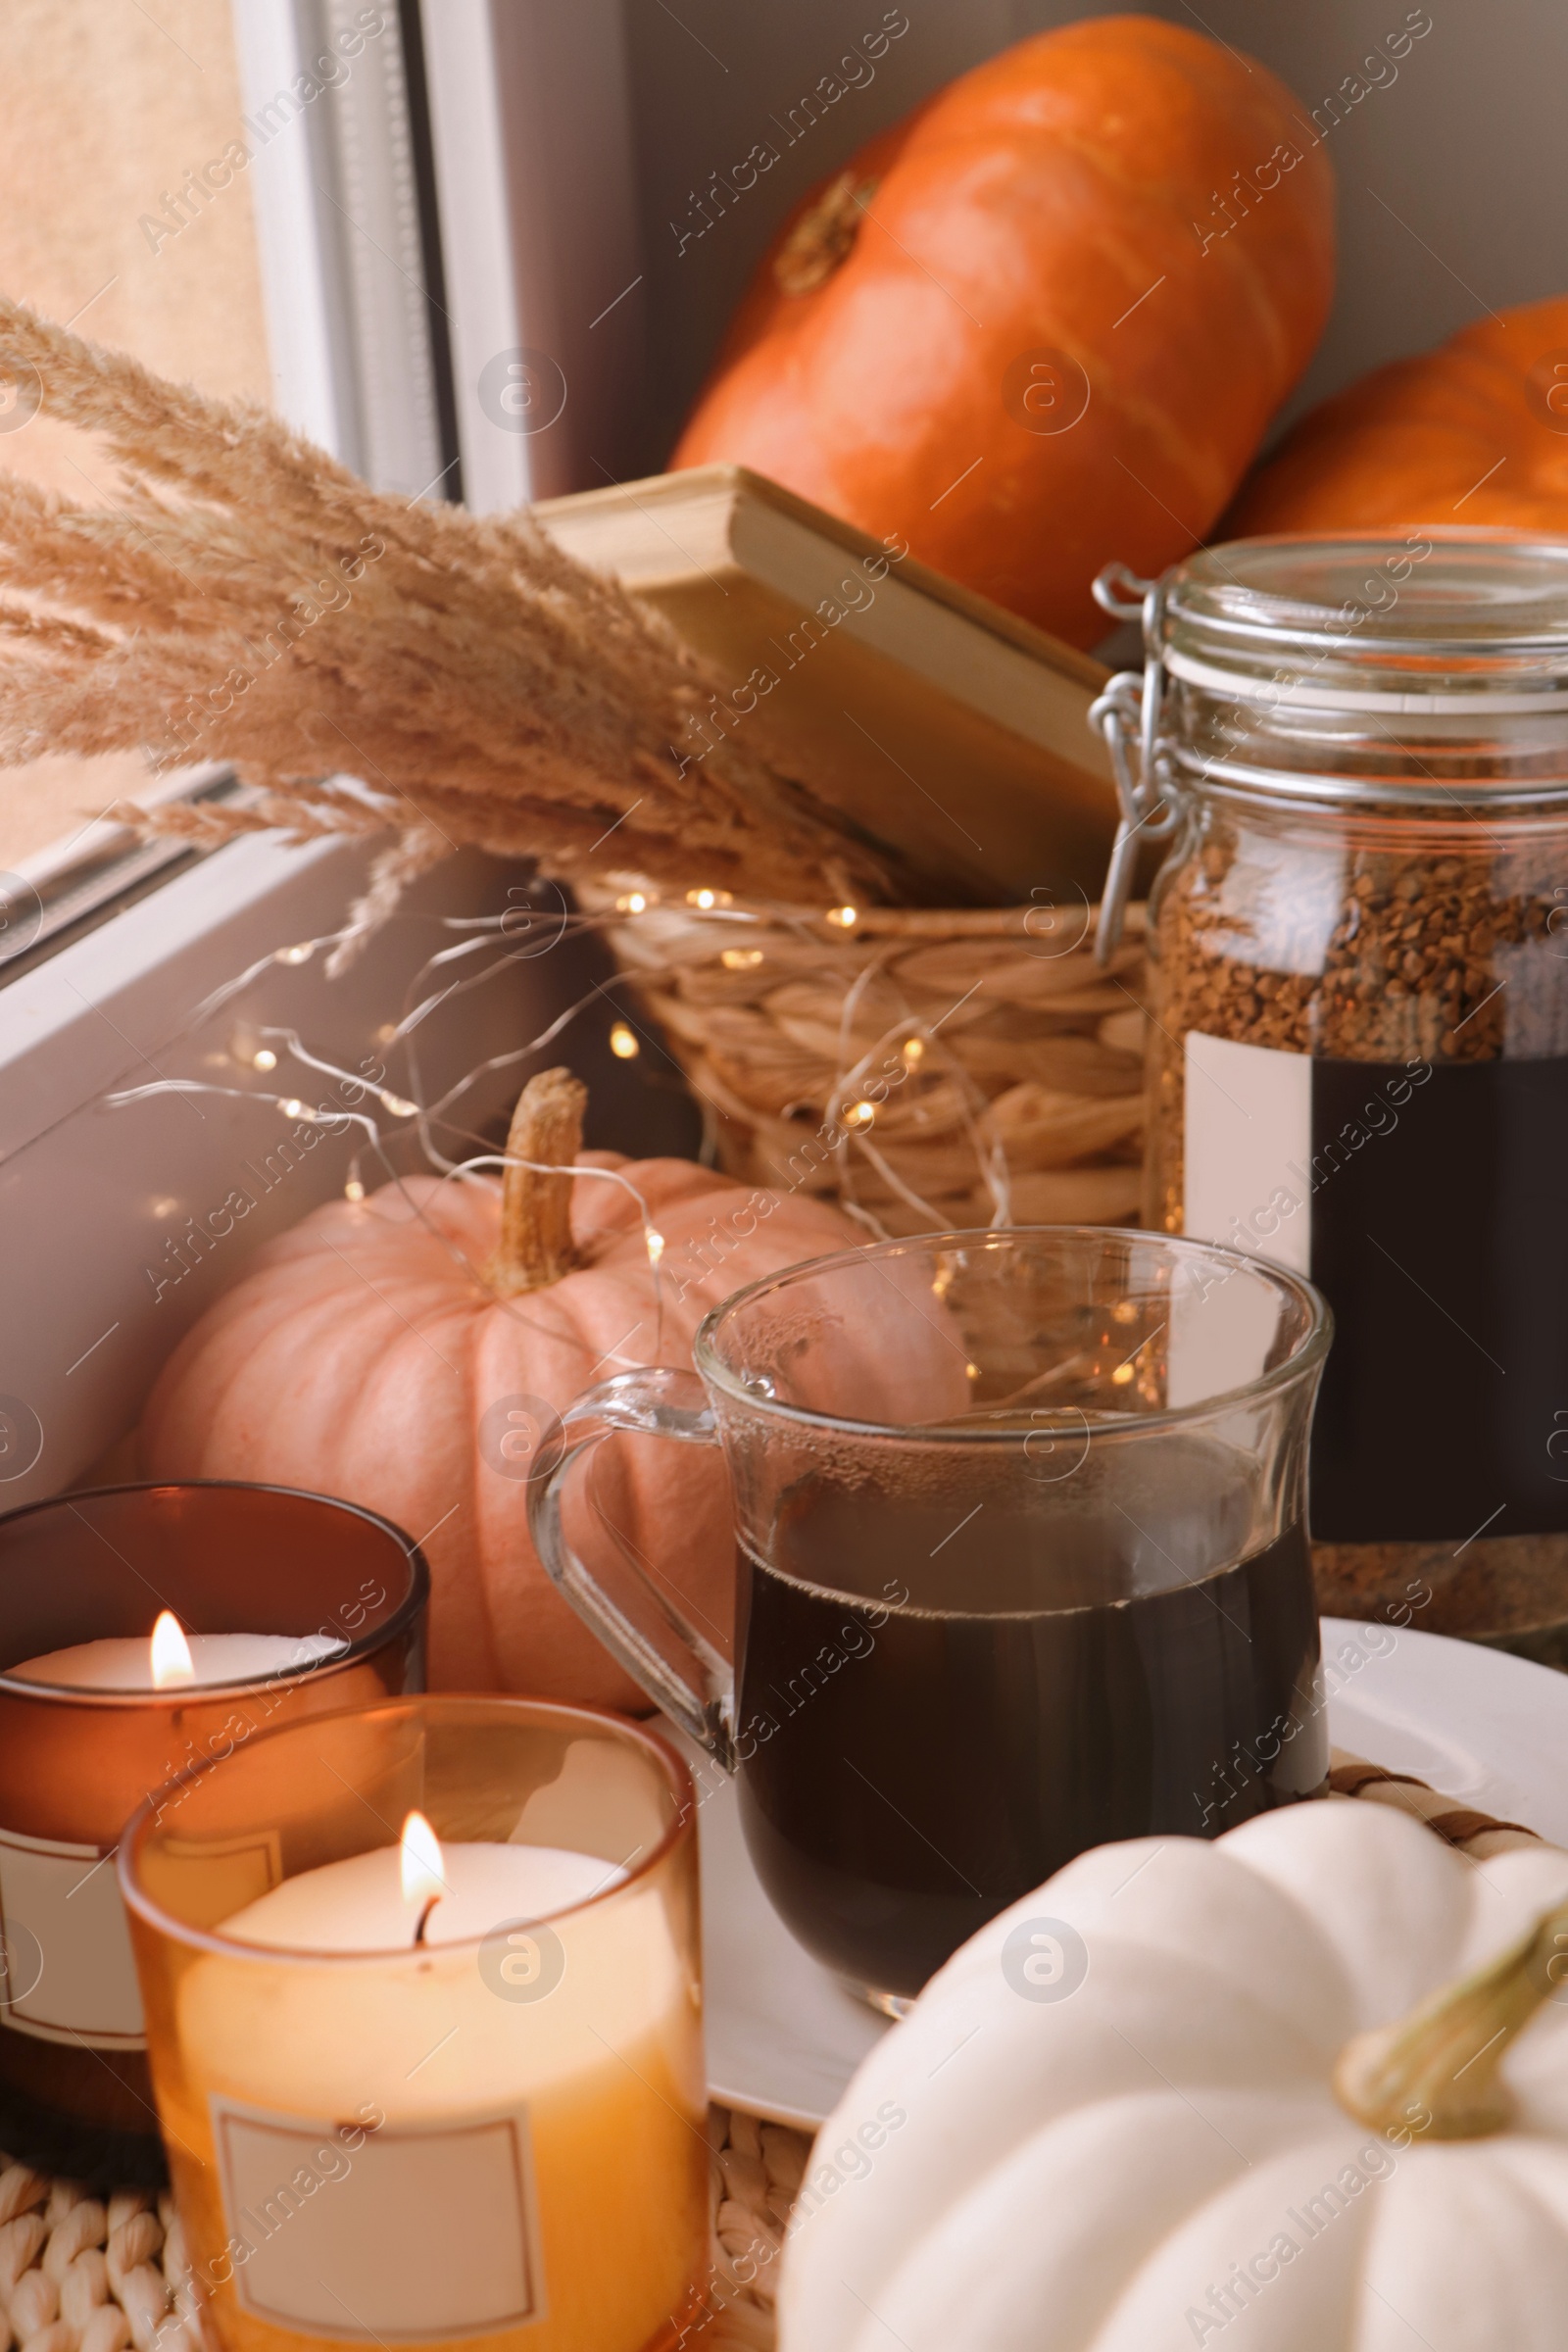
1021	1568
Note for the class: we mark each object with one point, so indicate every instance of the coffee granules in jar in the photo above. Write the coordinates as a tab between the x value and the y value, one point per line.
1358	1024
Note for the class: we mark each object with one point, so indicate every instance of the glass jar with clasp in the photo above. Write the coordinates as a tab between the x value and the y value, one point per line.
1356	751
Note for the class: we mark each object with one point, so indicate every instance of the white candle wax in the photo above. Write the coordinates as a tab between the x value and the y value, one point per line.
356	1905
126	1664
438	2141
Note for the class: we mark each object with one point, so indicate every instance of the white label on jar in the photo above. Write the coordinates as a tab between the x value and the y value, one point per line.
69	1974
1249	1144
417	2234
1249	1116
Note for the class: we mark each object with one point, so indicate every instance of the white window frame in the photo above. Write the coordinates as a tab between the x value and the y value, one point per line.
351	326
529	124
122	1224
540	305
532	130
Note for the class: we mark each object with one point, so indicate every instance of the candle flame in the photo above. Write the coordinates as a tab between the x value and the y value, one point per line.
171	1658
424	1879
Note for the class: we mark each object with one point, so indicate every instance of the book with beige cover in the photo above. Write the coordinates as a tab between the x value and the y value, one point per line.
943	725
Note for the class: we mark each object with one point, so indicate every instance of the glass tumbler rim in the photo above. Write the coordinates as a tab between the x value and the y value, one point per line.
360	1646
1302	1361
672	1765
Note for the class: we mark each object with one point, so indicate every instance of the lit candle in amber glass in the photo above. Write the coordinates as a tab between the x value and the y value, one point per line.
267	1606
423	2002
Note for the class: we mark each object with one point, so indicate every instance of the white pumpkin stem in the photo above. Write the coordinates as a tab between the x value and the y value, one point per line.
1440	2062
536	1246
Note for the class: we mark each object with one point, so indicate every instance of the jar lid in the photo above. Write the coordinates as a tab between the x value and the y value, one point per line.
1426	622
1424	669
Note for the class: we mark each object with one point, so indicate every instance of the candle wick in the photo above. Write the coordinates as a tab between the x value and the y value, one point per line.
424	1919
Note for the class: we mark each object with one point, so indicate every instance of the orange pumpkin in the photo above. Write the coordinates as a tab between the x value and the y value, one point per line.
377	1352
1475	432
1045	320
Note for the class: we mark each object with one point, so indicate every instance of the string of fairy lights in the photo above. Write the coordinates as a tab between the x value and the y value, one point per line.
850	1112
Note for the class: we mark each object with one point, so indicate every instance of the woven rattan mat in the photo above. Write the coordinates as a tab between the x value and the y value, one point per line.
81	2273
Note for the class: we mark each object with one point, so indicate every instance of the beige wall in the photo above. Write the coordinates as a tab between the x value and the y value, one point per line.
104	105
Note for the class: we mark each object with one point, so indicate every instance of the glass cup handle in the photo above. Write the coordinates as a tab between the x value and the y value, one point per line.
640	1626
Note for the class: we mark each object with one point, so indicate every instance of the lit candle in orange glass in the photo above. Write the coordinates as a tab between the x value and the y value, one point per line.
270	1605
443	2088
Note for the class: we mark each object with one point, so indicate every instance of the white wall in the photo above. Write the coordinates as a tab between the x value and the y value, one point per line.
1465	148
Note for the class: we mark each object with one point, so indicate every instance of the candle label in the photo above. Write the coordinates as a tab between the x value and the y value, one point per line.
69	1974
384	2233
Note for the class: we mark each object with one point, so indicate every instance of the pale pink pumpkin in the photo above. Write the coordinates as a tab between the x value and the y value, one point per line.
360	1355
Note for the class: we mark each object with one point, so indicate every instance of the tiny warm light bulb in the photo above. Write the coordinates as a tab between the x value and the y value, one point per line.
860	1114
171	1658
299	955
354	1190
633	902
655	1245
740	960
623	1042
1122	1376
264	1060
914	1051
846	917
293	1108
398	1105
424	1881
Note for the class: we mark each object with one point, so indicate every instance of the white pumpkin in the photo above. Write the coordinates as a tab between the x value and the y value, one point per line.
1110	2123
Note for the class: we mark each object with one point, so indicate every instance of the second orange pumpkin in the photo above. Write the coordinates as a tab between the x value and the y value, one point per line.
1475	432
1045	322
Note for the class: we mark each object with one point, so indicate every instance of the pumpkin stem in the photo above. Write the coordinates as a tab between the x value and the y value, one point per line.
535	1205
824	235
1440	2062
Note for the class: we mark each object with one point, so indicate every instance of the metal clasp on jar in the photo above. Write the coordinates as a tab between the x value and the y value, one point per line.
1130	709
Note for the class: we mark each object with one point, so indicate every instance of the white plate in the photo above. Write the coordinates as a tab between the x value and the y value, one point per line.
1483	1727
1480	1725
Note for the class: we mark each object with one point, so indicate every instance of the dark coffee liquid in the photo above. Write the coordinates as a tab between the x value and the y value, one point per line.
1437	1235
1001	1695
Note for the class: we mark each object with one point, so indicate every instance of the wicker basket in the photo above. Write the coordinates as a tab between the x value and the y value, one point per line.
928	1070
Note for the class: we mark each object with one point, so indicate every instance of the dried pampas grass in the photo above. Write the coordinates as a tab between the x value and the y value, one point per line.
245	599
